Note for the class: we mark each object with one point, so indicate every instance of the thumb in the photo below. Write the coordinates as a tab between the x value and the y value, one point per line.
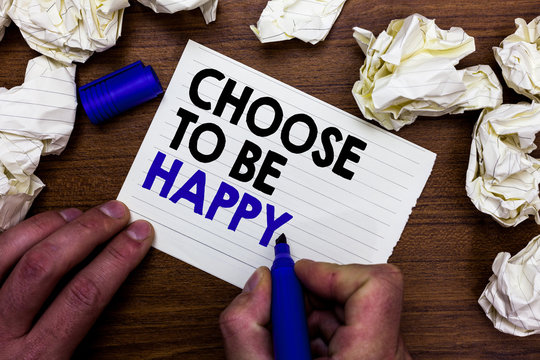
244	322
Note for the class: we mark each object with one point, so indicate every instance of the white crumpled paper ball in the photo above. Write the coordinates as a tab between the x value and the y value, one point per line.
72	30
69	30
208	7
34	121
410	71
4	18
309	21
502	177
511	300
519	58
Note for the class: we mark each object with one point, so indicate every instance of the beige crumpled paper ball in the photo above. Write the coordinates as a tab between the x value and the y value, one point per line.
410	70
519	58
511	300
502	178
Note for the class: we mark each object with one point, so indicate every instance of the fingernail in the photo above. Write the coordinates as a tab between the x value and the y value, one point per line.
114	209
70	214
253	281
139	230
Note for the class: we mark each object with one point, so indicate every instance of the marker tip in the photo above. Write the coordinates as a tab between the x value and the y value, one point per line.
281	239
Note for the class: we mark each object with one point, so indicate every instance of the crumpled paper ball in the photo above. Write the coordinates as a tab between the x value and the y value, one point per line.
208	7
69	30
72	30
502	177
410	71
519	58
511	300
309	21
34	121
4	18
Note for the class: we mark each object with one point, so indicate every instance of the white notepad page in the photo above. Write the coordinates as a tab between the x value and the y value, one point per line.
197	179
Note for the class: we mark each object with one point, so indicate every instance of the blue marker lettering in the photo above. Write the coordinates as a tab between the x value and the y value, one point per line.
157	170
220	200
273	224
243	212
198	180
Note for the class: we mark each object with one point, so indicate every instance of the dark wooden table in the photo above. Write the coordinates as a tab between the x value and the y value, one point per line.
168	309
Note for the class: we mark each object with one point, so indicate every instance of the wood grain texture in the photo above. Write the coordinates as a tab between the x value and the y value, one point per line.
168	309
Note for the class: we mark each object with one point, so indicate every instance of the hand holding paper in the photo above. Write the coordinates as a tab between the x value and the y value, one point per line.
502	178
511	299
519	58
410	71
309	21
34	121
59	270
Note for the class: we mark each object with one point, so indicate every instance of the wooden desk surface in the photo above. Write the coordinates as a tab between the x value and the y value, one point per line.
168	309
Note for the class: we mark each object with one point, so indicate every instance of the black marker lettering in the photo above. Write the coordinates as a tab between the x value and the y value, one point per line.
227	97
194	87
274	126
194	140
286	133
347	154
327	146
187	117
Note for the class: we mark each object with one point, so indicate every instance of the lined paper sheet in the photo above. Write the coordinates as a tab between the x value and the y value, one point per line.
36	118
332	218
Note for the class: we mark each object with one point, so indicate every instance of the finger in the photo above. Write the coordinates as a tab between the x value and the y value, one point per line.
378	303
243	323
76	308
377	289
314	302
319	349
322	324
372	317
17	240
39	270
332	281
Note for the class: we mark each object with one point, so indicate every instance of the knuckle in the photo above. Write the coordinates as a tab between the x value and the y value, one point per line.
83	294
91	223
36	225
41	223
87	224
121	255
334	282
389	277
232	321
392	273
36	266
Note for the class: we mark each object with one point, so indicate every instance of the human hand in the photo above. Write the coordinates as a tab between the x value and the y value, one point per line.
353	312
36	254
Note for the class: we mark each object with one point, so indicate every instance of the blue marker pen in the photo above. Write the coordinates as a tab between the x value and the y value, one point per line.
289	325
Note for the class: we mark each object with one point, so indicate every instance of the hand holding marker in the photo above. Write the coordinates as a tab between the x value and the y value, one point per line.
289	325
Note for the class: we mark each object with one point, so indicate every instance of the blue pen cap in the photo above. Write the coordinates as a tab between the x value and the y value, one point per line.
119	91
